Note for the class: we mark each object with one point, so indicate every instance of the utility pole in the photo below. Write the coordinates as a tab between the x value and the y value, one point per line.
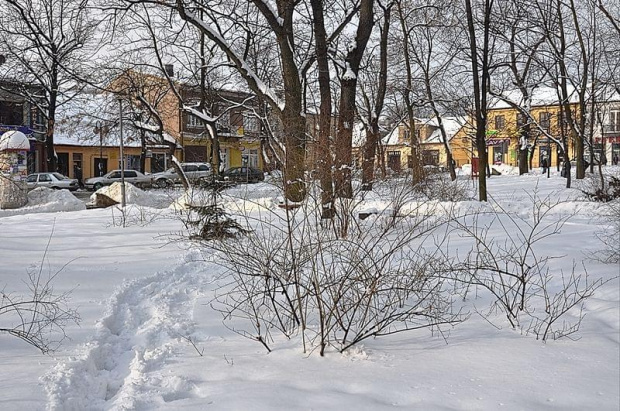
120	107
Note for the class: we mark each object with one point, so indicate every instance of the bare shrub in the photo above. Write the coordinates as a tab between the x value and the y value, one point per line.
291	276
39	317
439	186
597	189
610	235
518	275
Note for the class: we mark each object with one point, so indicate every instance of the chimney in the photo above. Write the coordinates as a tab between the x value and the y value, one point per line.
169	69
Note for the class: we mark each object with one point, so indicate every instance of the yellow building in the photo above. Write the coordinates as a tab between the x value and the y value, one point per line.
395	148
507	123
87	135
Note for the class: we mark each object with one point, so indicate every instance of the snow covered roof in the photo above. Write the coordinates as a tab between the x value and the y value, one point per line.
451	125
548	96
78	121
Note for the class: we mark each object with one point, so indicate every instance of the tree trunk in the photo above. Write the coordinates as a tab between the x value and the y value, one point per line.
348	88
52	159
368	157
480	82
374	134
323	162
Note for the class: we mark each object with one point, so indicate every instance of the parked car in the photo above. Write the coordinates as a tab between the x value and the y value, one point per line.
131	176
195	172
243	175
51	180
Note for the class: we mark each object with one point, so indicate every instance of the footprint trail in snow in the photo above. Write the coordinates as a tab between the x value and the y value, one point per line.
122	367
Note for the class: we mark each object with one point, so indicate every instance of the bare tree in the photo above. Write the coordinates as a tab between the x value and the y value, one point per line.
434	52
47	43
408	93
570	30
234	28
480	57
521	37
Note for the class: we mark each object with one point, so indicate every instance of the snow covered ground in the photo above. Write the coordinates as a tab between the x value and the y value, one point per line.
142	298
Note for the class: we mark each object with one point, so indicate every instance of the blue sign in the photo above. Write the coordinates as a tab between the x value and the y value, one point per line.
24	129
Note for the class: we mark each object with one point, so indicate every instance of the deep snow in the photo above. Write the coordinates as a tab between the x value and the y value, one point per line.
141	297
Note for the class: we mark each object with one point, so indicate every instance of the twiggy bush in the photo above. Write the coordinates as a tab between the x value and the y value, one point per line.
439	186
610	235
518	275
292	276
38	317
600	187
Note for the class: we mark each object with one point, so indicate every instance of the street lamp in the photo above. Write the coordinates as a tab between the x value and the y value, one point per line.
120	108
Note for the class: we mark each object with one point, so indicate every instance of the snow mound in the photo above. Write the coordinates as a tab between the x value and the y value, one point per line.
191	197
46	200
503	169
134	195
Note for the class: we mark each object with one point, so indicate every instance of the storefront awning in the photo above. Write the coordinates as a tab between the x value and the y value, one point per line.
497	141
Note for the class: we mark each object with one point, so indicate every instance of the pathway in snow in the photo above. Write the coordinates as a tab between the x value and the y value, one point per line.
123	366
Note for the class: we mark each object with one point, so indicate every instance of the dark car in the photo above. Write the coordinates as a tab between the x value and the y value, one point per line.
243	175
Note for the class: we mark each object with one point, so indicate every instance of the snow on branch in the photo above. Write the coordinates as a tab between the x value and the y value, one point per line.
254	82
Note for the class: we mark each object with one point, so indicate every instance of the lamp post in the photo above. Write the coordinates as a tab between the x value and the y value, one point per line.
120	107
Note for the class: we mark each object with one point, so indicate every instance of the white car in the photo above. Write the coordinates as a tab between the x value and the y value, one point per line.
131	176
51	180
195	172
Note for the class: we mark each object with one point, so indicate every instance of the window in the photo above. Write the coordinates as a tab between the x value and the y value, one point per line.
63	163
250	123
193	121
614	120
430	157
158	162
500	122
253	158
223	122
44	178
544	120
32	178
521	120
130	174
133	162
204	167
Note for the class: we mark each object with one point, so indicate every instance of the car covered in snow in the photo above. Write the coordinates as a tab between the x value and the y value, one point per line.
55	181
131	176
197	173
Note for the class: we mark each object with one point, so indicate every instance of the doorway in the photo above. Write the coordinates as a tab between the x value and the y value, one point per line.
100	166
